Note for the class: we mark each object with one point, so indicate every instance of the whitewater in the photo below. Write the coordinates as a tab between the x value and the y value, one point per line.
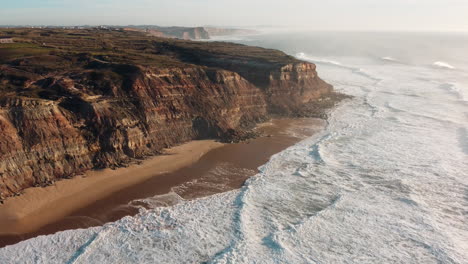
385	182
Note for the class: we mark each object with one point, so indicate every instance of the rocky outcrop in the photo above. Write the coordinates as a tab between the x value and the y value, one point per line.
99	113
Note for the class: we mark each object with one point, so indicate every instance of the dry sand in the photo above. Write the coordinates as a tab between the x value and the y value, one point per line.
68	195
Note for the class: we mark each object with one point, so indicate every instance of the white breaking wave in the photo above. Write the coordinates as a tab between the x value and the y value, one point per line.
445	65
389	59
455	89
303	56
353	69
169	199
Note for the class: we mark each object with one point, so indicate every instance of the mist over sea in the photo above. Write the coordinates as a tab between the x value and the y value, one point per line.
385	182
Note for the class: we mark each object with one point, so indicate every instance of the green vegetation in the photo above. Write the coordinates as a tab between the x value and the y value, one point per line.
127	47
39	54
12	51
236	51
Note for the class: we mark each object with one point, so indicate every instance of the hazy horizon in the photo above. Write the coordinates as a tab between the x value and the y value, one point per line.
333	15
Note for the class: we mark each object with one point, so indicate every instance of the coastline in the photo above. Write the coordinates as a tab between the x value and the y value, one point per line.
67	195
102	196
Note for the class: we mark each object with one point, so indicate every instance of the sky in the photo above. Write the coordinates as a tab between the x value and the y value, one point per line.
353	15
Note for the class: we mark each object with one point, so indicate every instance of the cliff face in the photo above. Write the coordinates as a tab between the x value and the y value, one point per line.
46	139
293	86
186	33
213	31
96	113
287	84
189	32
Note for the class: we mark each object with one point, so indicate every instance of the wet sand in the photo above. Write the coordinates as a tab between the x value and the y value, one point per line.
192	170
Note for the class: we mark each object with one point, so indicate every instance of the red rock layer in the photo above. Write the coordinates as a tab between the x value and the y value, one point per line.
97	118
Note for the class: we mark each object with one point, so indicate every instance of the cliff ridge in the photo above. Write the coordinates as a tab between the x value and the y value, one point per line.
71	101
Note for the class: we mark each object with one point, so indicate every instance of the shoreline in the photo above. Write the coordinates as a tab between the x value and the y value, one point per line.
104	182
107	195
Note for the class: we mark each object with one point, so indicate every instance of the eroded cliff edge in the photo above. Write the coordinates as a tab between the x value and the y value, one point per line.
93	99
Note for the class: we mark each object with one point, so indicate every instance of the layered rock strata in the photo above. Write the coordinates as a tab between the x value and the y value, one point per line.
100	113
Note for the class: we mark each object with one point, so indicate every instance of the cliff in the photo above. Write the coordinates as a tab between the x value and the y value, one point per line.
186	33
215	31
75	103
196	33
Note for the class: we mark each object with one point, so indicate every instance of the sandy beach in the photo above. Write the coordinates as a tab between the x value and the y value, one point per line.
192	170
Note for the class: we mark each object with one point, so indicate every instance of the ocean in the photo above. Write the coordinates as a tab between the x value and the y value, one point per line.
385	182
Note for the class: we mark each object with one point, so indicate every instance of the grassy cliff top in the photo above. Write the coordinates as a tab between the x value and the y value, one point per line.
129	47
100	57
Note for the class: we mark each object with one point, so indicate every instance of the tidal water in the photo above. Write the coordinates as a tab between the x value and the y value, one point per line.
385	182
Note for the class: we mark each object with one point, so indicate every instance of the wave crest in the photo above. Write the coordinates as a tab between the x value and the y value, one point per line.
442	64
303	56
391	59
